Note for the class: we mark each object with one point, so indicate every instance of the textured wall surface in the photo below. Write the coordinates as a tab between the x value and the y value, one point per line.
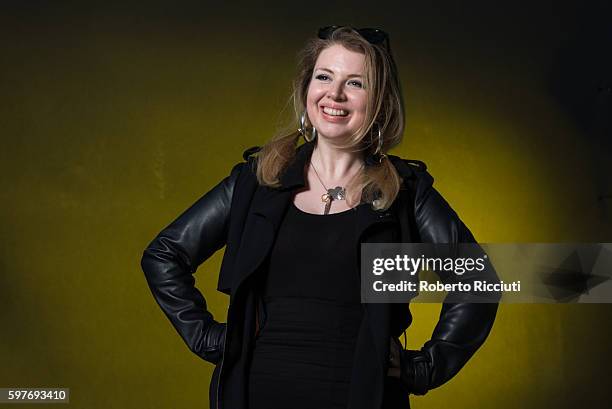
115	118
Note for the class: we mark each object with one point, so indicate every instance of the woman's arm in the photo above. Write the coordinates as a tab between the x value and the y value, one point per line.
462	327
172	258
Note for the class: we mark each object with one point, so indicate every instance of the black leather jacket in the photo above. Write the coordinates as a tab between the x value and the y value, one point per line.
244	216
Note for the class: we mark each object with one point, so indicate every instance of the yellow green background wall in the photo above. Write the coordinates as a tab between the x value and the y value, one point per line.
115	118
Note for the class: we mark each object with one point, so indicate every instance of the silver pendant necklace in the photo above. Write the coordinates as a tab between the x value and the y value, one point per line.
336	193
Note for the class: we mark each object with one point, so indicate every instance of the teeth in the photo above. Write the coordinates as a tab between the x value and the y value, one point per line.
335	112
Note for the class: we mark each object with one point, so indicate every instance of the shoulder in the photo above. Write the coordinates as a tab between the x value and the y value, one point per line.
249	153
242	179
413	172
436	220
245	171
249	161
408	168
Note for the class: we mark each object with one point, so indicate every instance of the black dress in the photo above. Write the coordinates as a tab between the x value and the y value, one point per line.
303	355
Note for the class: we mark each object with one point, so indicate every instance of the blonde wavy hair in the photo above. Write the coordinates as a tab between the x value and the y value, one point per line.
379	183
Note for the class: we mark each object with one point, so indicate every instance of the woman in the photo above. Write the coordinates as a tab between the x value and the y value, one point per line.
292	220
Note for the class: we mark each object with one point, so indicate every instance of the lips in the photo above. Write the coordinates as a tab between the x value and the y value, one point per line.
334	114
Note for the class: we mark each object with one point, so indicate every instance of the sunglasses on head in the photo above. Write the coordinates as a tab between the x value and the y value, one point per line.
372	35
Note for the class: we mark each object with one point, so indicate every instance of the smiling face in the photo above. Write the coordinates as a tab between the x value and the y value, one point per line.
336	100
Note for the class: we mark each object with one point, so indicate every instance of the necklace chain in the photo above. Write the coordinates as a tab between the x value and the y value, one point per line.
337	193
318	177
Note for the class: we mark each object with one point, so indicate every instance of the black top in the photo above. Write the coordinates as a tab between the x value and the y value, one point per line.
303	355
315	256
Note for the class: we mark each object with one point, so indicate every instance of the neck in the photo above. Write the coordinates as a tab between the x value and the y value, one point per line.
334	164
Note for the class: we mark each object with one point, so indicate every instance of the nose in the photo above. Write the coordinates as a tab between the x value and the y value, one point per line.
336	92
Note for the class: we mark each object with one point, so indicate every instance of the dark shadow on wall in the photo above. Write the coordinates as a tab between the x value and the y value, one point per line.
581	81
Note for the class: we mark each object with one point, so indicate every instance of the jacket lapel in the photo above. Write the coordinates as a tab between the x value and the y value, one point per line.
265	215
268	208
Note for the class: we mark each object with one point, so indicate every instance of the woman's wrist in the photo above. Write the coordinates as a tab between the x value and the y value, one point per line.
214	339
415	367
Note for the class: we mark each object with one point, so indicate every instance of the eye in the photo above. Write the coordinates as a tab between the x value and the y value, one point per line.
356	83
322	77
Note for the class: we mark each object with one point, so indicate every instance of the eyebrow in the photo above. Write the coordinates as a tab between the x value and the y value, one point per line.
331	72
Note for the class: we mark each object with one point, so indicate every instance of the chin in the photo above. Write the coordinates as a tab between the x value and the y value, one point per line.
334	135
333	132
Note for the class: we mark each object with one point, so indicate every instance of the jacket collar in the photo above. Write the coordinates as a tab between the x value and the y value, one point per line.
293	177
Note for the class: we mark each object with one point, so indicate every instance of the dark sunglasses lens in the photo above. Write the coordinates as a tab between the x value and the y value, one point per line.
373	35
326	32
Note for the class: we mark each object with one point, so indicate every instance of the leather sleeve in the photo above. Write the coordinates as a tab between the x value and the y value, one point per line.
172	258
462	327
